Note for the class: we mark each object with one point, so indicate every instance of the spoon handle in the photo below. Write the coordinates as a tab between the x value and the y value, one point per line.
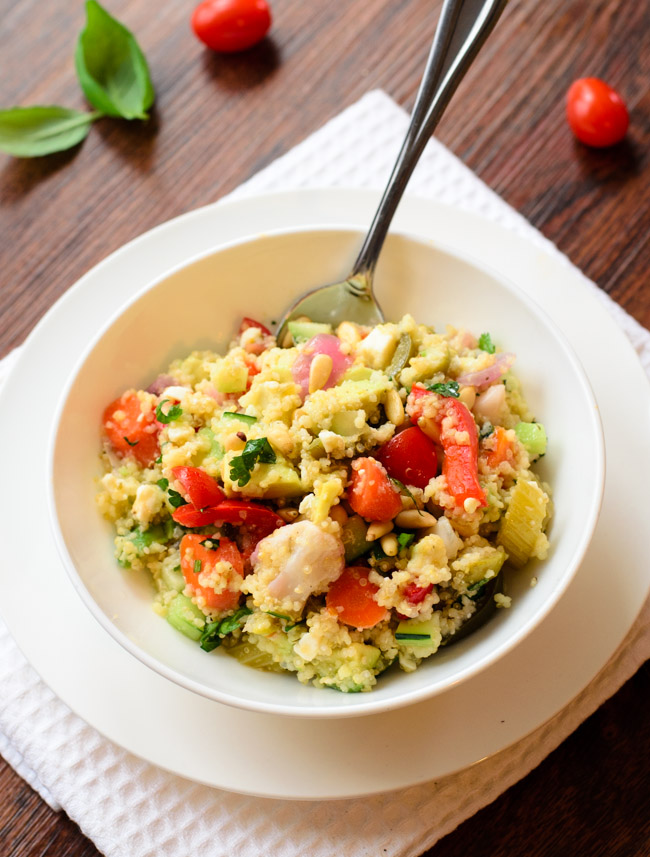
463	27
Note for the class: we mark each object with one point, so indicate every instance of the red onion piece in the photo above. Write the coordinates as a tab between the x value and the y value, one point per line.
322	343
161	383
485	377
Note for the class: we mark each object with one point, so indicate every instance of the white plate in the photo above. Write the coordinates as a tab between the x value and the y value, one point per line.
286	758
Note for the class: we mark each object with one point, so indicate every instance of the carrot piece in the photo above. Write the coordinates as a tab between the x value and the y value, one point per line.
500	452
351	597
198	564
130	430
371	493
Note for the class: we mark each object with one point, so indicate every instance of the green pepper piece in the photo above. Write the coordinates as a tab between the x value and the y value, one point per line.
401	356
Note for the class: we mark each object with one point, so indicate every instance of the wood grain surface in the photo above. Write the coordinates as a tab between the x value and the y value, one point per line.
218	120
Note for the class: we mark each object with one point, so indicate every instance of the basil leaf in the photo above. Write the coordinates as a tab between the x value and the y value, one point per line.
112	69
29	132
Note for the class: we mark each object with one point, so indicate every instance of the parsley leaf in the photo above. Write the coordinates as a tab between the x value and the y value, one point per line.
170	415
255	451
163	483
210	544
175	499
448	388
214	631
131	442
402	487
485	343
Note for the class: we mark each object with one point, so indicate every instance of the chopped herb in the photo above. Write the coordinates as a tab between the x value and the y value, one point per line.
131	442
378	552
448	388
170	414
163	483
486	430
405	540
278	615
214	631
412	636
210	544
175	499
241	466
177	568
485	343
159	459
291	627
402	487
197	566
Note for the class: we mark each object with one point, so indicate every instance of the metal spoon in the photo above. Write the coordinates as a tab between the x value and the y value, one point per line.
463	27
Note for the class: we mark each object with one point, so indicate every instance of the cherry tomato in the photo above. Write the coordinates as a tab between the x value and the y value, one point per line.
596	113
371	493
198	564
249	514
202	489
247	322
188	516
411	457
228	26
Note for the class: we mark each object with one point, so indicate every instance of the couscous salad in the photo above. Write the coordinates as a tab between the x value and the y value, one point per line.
333	506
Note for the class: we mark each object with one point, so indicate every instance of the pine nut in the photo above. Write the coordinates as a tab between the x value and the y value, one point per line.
287	339
394	408
319	371
289	515
348	333
337	513
389	544
378	529
467	395
233	442
412	519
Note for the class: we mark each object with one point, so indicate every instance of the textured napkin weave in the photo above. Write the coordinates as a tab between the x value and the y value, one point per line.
130	808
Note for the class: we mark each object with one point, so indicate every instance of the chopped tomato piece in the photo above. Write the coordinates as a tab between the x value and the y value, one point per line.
411	457
250	322
501	450
132	430
371	493
188	516
199	562
201	489
415	594
449	422
249	514
351	598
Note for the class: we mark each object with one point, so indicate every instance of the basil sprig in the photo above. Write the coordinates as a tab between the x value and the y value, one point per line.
114	77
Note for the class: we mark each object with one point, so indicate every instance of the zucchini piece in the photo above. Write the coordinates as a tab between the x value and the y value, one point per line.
533	437
186	617
243	418
248	654
302	331
417	634
523	523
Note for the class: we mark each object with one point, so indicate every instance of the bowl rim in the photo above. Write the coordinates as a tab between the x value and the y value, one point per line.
370	704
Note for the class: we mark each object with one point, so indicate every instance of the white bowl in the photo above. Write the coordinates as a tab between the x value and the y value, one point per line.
199	305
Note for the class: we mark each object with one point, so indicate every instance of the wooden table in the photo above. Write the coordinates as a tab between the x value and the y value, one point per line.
219	120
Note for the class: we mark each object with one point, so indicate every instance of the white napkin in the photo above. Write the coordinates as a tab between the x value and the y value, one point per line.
130	808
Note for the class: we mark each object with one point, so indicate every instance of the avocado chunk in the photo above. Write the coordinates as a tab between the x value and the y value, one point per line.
267	481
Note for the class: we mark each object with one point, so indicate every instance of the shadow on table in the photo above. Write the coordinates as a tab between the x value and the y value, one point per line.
243	70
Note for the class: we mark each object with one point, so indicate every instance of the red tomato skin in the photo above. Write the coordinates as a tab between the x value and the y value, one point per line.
248	514
188	516
229	26
596	113
136	434
191	550
247	322
371	493
201	489
411	457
